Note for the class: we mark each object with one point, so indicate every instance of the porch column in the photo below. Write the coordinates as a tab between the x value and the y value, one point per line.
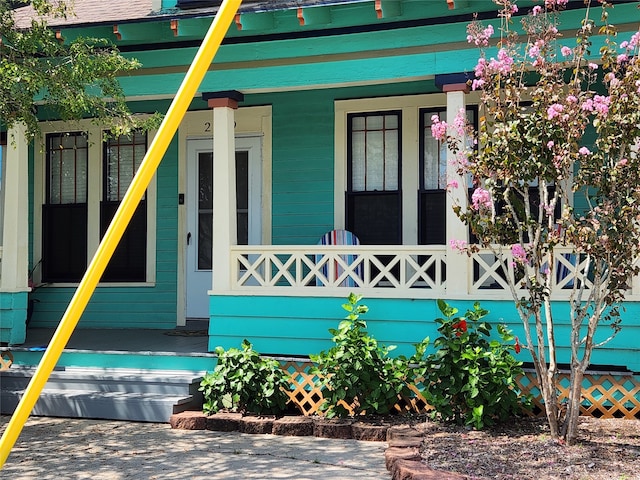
225	232
15	231
457	263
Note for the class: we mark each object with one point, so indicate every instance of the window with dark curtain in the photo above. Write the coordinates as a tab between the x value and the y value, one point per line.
374	186
64	214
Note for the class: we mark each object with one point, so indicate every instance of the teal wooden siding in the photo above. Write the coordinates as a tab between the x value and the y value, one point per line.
127	306
302	167
299	326
13	316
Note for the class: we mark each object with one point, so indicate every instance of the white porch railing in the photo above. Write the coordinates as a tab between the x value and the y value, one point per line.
404	271
389	270
489	273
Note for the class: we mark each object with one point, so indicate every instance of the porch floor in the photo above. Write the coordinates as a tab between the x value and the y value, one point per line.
190	339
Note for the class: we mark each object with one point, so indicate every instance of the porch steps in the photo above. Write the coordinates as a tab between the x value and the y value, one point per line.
105	393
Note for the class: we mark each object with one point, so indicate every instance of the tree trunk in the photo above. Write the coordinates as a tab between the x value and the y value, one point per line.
570	425
550	396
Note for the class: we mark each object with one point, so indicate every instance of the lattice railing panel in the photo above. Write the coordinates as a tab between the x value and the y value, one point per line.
367	267
491	272
606	396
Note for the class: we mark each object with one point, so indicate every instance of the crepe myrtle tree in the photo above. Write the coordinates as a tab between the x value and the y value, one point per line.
541	98
71	80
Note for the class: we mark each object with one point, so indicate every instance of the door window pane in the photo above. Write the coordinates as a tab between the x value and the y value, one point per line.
374	152
205	205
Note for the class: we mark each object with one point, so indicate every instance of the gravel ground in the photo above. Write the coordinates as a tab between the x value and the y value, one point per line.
61	449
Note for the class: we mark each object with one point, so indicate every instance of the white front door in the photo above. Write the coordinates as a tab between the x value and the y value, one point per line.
200	213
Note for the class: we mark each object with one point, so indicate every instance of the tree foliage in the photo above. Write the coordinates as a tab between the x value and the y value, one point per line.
542	98
73	79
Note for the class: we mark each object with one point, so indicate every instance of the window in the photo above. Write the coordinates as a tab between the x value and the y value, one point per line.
432	212
122	157
80	181
373	197
64	213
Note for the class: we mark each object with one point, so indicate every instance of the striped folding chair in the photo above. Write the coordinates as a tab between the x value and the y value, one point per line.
339	237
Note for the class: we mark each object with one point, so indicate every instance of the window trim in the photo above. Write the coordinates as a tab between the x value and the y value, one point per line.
95	189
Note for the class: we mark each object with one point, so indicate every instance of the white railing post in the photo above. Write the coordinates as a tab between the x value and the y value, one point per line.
15	233
457	264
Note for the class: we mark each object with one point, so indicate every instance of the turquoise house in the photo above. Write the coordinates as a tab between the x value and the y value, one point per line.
313	117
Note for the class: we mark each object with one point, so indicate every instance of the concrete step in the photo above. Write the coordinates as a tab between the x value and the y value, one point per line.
117	394
106	380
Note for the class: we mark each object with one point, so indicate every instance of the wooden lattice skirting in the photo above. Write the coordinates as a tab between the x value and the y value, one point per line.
603	395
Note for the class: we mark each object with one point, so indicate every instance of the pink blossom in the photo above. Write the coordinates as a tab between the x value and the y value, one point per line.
514	8
554	110
460	122
503	64
519	253
453	184
481	198
536	10
587	105
438	128
572	99
477	83
550	144
623	162
555	3
480	38
584	151
623	57
593	66
480	67
459	245
566	51
635	40
624	44
460	161
601	104
534	51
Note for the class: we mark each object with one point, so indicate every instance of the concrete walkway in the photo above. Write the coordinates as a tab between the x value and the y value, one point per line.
60	449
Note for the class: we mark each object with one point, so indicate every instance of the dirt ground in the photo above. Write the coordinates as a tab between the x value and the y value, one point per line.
606	450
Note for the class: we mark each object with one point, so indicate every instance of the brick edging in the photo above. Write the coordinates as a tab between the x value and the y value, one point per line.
402	457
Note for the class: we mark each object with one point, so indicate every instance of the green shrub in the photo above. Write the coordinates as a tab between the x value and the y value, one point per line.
356	373
245	382
470	379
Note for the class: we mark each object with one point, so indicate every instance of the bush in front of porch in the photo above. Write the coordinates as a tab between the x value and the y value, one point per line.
243	381
357	376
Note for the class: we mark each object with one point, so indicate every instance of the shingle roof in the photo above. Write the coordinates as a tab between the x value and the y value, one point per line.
88	12
93	11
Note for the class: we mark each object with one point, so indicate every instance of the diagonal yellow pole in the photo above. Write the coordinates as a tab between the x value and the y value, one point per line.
123	215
